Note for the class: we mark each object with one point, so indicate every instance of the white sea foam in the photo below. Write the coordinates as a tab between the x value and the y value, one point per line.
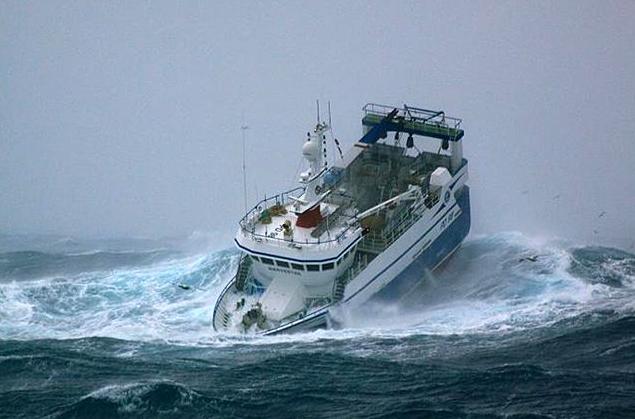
484	289
137	304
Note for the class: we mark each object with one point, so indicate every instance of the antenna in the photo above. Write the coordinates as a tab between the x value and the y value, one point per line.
244	128
318	110
337	143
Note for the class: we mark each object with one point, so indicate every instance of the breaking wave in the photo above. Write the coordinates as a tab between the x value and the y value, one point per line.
508	327
500	283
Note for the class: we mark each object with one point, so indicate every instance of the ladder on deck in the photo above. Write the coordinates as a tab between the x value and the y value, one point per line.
244	267
341	281
340	286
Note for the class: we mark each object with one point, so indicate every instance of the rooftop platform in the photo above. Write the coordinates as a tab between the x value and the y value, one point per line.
410	120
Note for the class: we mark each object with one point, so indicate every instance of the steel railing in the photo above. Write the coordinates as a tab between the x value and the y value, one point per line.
425	116
249	221
220	309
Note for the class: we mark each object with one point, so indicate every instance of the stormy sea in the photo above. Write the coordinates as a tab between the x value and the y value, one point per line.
510	327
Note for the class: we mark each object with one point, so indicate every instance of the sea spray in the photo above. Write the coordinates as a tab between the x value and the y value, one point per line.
491	334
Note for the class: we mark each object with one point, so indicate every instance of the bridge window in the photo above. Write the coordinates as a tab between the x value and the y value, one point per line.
342	259
313	268
254	257
267	261
298	267
327	266
282	264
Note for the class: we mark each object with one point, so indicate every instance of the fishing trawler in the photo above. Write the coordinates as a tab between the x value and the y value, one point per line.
368	226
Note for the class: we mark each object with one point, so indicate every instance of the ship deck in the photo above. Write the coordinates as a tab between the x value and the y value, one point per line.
333	224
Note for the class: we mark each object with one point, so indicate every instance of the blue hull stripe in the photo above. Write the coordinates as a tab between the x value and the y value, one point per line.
465	198
434	255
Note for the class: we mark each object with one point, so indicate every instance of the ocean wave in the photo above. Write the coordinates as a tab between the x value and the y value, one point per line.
505	283
579	367
490	286
24	265
140	303
138	399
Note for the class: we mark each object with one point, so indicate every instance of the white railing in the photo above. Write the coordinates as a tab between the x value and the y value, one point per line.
220	309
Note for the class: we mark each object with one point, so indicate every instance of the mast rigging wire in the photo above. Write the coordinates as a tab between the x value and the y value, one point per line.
244	128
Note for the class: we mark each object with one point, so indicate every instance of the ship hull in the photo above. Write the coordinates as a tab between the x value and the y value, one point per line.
437	252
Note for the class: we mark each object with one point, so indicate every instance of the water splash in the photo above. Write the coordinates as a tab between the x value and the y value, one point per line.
487	287
142	303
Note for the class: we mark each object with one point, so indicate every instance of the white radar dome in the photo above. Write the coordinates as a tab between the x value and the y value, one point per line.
311	150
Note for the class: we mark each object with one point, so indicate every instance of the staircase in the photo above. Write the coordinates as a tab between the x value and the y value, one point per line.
244	267
339	286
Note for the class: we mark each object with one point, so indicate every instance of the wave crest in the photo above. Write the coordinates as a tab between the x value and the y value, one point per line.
149	399
491	285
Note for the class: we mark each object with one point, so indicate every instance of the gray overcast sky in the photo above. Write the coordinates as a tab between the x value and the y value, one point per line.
122	118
